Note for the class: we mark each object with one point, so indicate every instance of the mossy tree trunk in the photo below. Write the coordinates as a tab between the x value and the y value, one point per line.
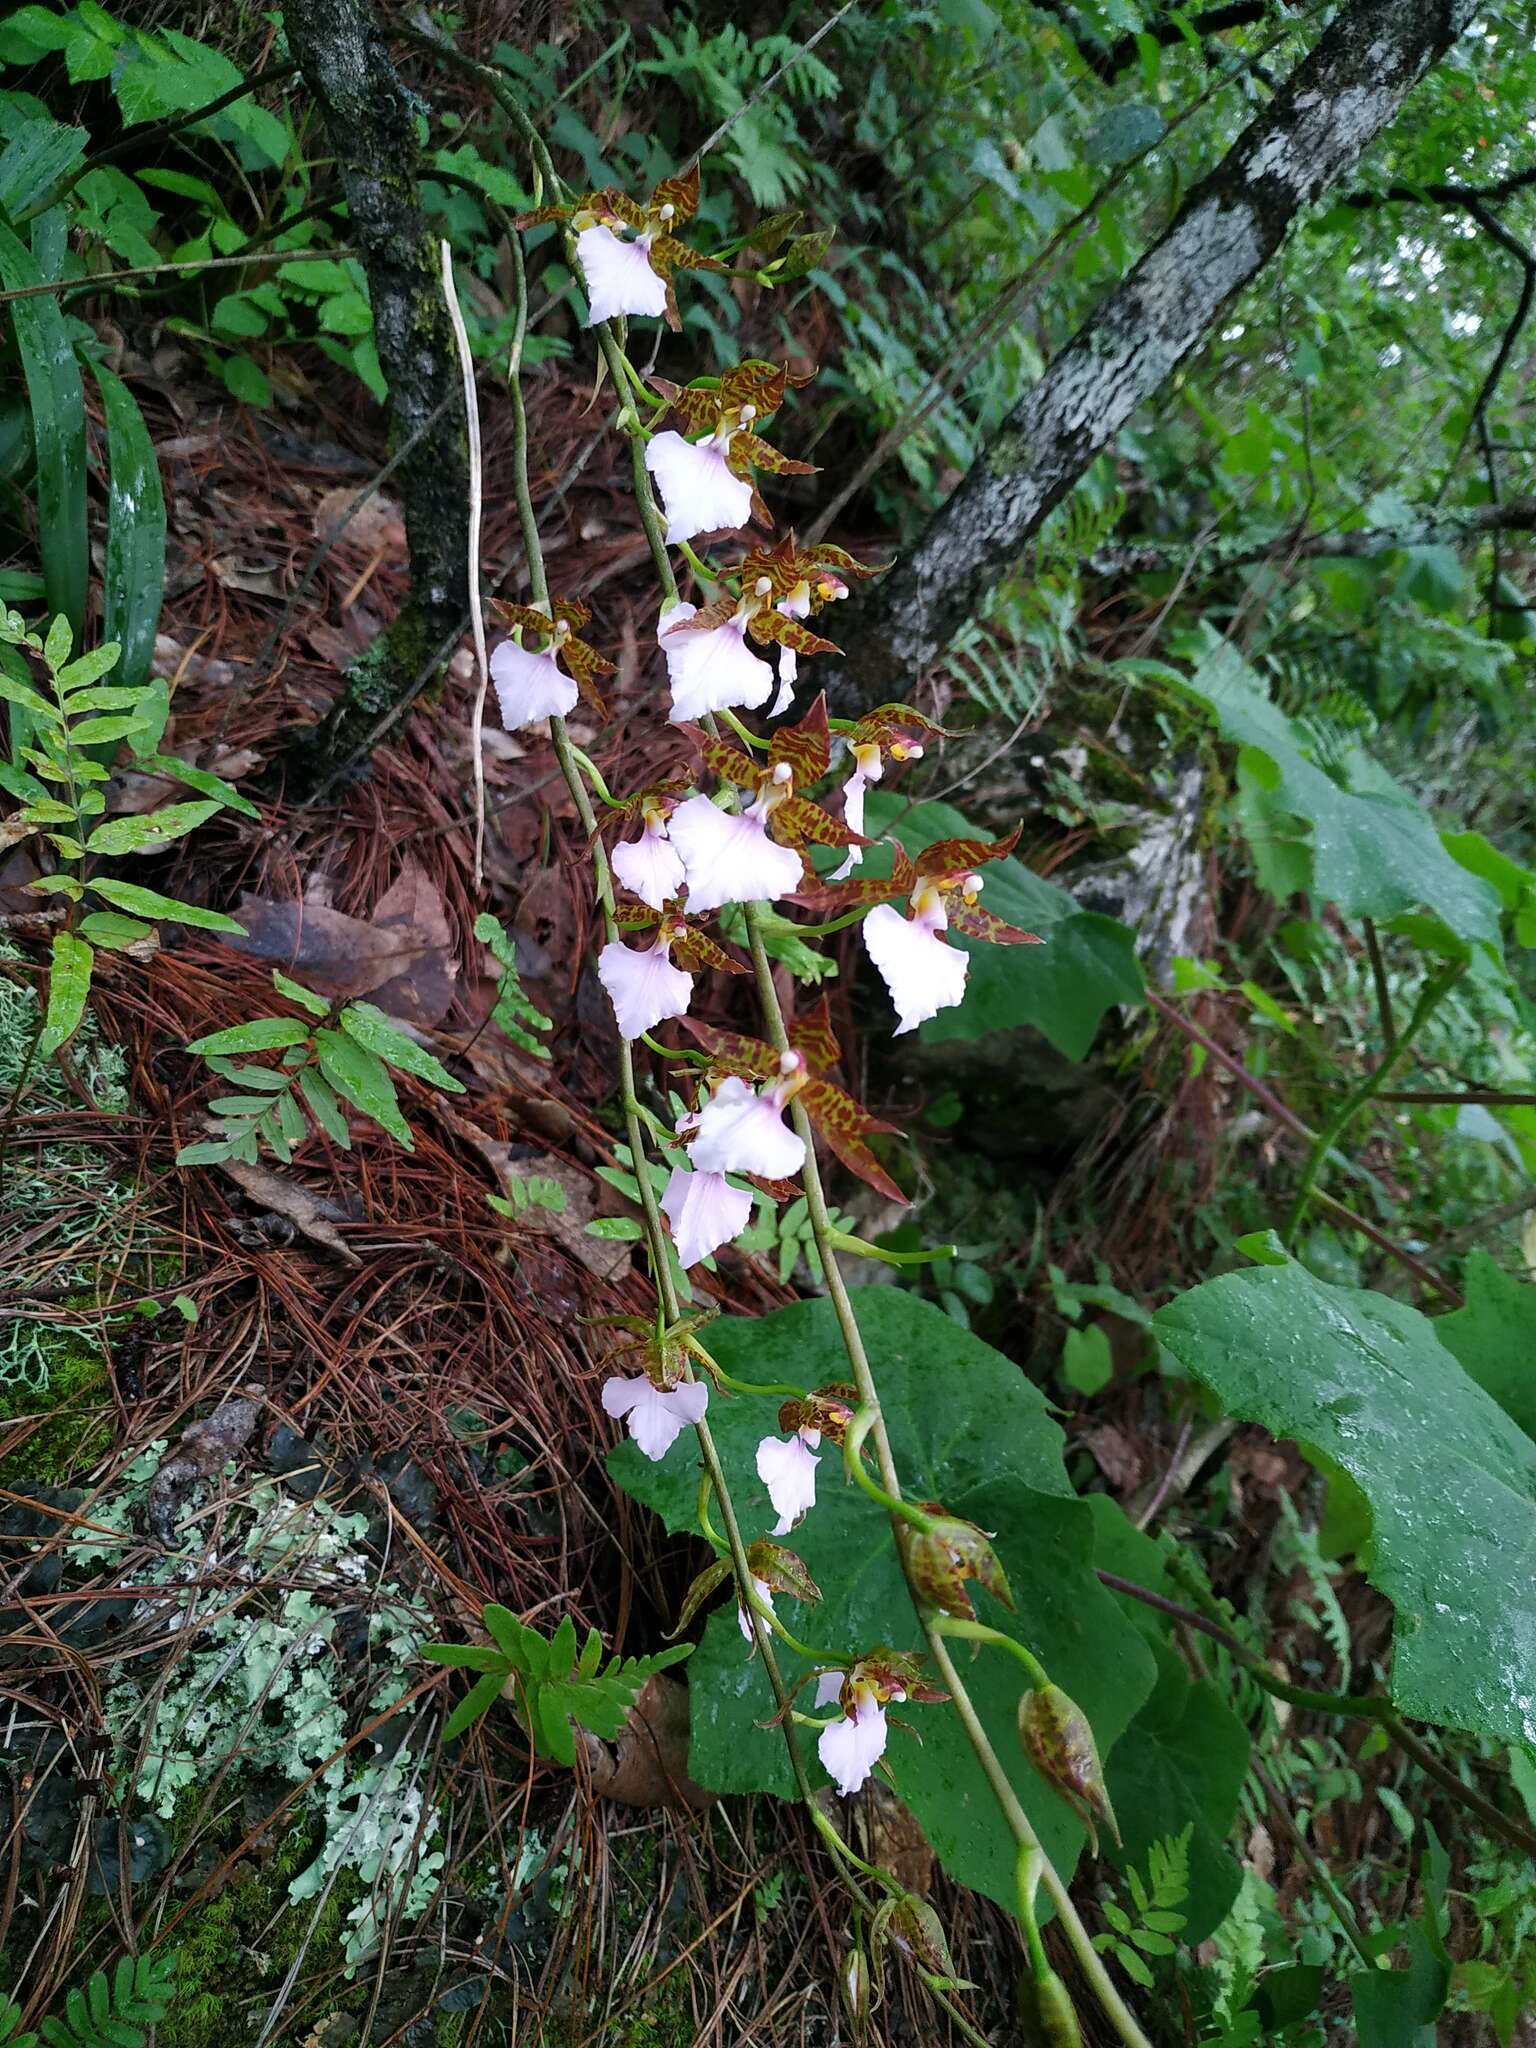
1312	133
370	123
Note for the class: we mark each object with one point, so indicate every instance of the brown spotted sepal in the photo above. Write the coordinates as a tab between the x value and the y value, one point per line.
691	946
839	1121
780	1570
943	1556
911	1925
665	1349
1058	1741
892	1675
829	1411
735	405
798	754
802	580
561	626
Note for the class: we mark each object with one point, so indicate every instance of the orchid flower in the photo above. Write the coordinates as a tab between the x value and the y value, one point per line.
729	857
703	1209
656	1416
533	686
850	1748
922	971
741	1131
642	983
711	669
699	491
788	1470
650	866
630	277
798	605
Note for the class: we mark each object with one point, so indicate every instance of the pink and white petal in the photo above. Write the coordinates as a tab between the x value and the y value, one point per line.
743	1132
788	1470
730	858
922	971
828	1687
850	1748
650	866
744	1620
643	986
714	671
705	1212
530	686
618	276
698	491
789	672
657	1416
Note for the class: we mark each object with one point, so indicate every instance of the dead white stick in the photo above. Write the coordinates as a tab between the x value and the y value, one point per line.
476	615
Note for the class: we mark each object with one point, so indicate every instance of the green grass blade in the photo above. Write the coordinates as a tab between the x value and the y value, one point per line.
134	573
58	429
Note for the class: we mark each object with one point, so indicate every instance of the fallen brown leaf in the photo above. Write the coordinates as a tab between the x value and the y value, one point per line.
310	1214
648	1765
204	1447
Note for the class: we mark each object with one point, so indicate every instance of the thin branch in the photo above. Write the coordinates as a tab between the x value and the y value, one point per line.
476	508
767	86
1443	194
86	285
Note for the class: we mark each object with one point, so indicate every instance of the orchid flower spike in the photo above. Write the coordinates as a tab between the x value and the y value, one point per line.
922	971
729	858
711	668
741	1131
643	985
656	1416
850	1748
650	866
703	1209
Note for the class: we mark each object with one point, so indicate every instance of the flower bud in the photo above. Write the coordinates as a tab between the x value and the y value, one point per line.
1059	1743
854	1983
947	1553
1047	2017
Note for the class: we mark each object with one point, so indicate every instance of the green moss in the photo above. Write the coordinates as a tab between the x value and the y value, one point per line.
77	1430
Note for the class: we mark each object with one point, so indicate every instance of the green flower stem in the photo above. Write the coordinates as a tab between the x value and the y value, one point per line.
589	768
853	1464
1089	1961
1431	996
1027	1876
749	740
978	1632
844	1854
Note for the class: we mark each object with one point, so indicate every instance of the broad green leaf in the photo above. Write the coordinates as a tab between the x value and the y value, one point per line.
261	1034
86	669
480	1698
38	155
207	1152
363	1079
1064	987
69	983
1365	1382
465	1656
133	573
143	829
376	1034
971	1431
149	903
317	1006
1369	848
1494	1337
57	405
27	699
95	732
270	1078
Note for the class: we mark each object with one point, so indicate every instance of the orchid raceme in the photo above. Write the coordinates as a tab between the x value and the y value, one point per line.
531	686
650	866
623	277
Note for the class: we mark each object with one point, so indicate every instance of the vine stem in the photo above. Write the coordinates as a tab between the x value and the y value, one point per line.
1432	995
476	510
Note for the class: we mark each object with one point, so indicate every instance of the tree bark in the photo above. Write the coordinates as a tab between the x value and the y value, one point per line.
370	122
1312	134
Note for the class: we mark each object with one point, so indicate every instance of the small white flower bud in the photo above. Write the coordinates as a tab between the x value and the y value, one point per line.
783	774
748	414
669	211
